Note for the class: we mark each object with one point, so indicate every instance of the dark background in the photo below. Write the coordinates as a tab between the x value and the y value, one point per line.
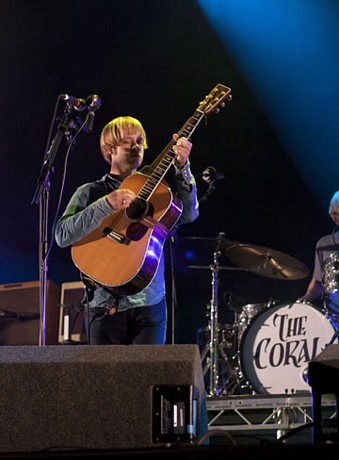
154	60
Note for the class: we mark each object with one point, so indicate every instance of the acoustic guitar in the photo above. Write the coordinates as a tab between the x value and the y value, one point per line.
123	253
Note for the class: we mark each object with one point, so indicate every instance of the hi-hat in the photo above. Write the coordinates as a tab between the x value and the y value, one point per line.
266	262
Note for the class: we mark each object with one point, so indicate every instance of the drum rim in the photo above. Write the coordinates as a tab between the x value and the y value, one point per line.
243	314
264	304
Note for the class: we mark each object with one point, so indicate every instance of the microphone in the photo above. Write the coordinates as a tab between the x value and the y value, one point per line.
210	175
78	103
93	103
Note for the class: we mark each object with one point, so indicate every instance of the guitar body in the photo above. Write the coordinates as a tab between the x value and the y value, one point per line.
124	252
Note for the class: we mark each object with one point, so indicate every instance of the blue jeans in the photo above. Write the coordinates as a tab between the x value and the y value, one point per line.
139	326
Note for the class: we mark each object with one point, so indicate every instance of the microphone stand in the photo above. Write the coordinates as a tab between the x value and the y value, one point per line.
41	196
172	250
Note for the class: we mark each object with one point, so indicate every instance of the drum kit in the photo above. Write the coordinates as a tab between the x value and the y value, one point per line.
267	348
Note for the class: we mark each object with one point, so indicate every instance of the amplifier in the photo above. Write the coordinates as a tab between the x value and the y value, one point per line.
20	313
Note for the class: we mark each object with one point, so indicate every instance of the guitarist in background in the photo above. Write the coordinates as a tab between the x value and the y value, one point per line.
139	318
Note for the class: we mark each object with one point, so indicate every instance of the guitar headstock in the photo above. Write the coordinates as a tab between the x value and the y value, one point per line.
215	99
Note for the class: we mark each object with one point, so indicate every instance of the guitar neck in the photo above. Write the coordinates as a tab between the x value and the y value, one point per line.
163	162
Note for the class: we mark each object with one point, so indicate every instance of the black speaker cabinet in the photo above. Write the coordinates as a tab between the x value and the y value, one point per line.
100	397
20	313
71	323
323	376
323	370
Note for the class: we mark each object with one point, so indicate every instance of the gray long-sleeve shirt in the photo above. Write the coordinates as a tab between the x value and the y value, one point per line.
86	210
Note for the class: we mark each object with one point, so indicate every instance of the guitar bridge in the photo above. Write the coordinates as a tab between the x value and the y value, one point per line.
114	236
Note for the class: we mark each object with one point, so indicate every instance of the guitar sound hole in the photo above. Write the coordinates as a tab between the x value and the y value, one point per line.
137	209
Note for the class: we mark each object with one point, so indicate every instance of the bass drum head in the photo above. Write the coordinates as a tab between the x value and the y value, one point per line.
278	344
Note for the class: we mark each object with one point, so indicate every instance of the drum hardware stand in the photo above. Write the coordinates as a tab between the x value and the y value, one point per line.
211	353
221	385
238	378
214	348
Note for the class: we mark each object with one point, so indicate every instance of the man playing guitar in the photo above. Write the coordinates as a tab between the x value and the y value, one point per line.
117	226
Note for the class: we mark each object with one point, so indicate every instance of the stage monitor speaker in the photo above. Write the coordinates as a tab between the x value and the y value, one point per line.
323	370
20	313
71	323
100	397
323	377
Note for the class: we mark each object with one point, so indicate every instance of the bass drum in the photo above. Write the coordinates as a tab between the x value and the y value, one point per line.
278	344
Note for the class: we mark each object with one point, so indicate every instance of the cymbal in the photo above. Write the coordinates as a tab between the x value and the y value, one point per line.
266	262
219	241
215	268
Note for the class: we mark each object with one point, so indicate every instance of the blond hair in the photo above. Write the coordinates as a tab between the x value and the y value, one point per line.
113	132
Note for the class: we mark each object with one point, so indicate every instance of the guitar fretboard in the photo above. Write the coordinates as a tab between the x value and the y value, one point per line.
166	157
